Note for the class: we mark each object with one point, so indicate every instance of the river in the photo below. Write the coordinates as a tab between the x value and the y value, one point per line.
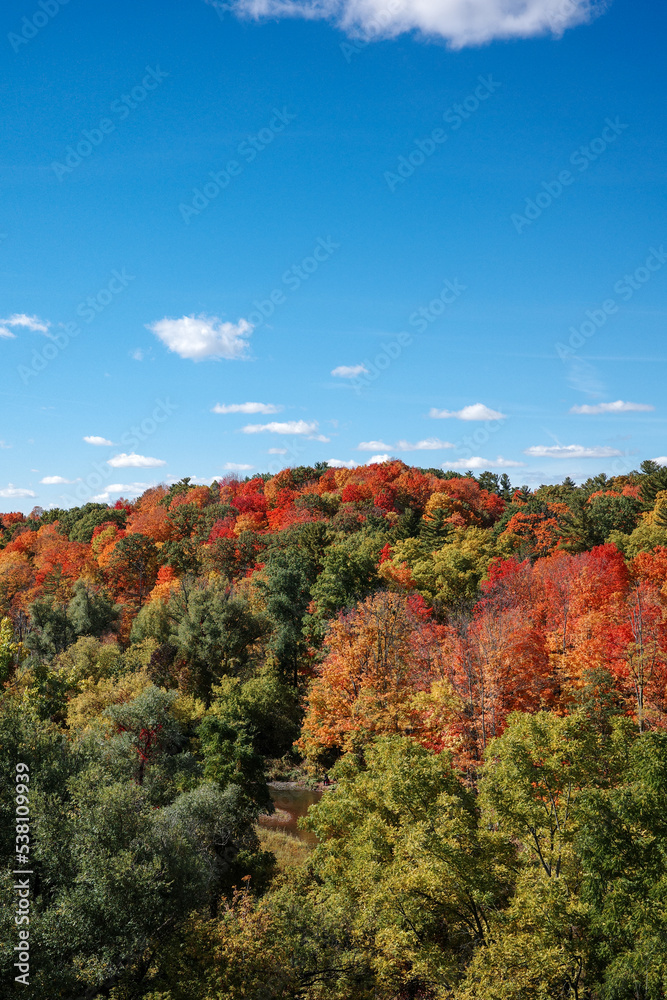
291	802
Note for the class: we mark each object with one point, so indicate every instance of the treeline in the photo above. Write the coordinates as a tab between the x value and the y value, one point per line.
481	670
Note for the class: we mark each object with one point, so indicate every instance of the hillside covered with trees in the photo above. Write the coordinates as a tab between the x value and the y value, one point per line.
480	670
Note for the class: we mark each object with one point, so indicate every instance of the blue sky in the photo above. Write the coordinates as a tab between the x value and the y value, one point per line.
460	214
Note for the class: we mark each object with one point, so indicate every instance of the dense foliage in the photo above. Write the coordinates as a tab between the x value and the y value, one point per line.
480	669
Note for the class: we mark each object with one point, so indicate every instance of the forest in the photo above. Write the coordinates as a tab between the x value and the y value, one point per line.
476	671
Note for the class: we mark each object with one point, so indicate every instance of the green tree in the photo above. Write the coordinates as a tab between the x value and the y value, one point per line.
265	706
402	853
9	649
653	481
218	828
90	517
230	758
91	613
535	781
51	630
287	587
214	632
349	574
623	843
116	870
146	728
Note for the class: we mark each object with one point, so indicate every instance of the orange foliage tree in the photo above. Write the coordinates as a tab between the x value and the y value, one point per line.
379	656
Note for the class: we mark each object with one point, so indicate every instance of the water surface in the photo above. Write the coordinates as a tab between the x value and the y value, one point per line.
293	803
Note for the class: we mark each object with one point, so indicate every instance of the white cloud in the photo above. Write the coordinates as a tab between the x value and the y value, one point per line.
570	451
337	463
237	467
480	464
662	460
618	407
33	323
246	408
428	444
129	487
15	492
198	337
134	461
56	481
372	445
137	354
277	451
461	22
476	411
349	371
122	489
284	427
29	322
377	459
96	440
319	437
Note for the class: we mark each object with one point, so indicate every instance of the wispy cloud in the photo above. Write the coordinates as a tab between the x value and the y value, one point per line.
237	467
33	323
372	445
122	489
476	411
338	463
264	408
134	461
283	427
474	22
277	451
349	371
15	492
618	407
56	481
199	337
478	463
96	440
428	444
570	451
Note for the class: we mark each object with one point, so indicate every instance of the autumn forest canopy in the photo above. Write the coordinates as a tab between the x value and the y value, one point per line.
479	669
